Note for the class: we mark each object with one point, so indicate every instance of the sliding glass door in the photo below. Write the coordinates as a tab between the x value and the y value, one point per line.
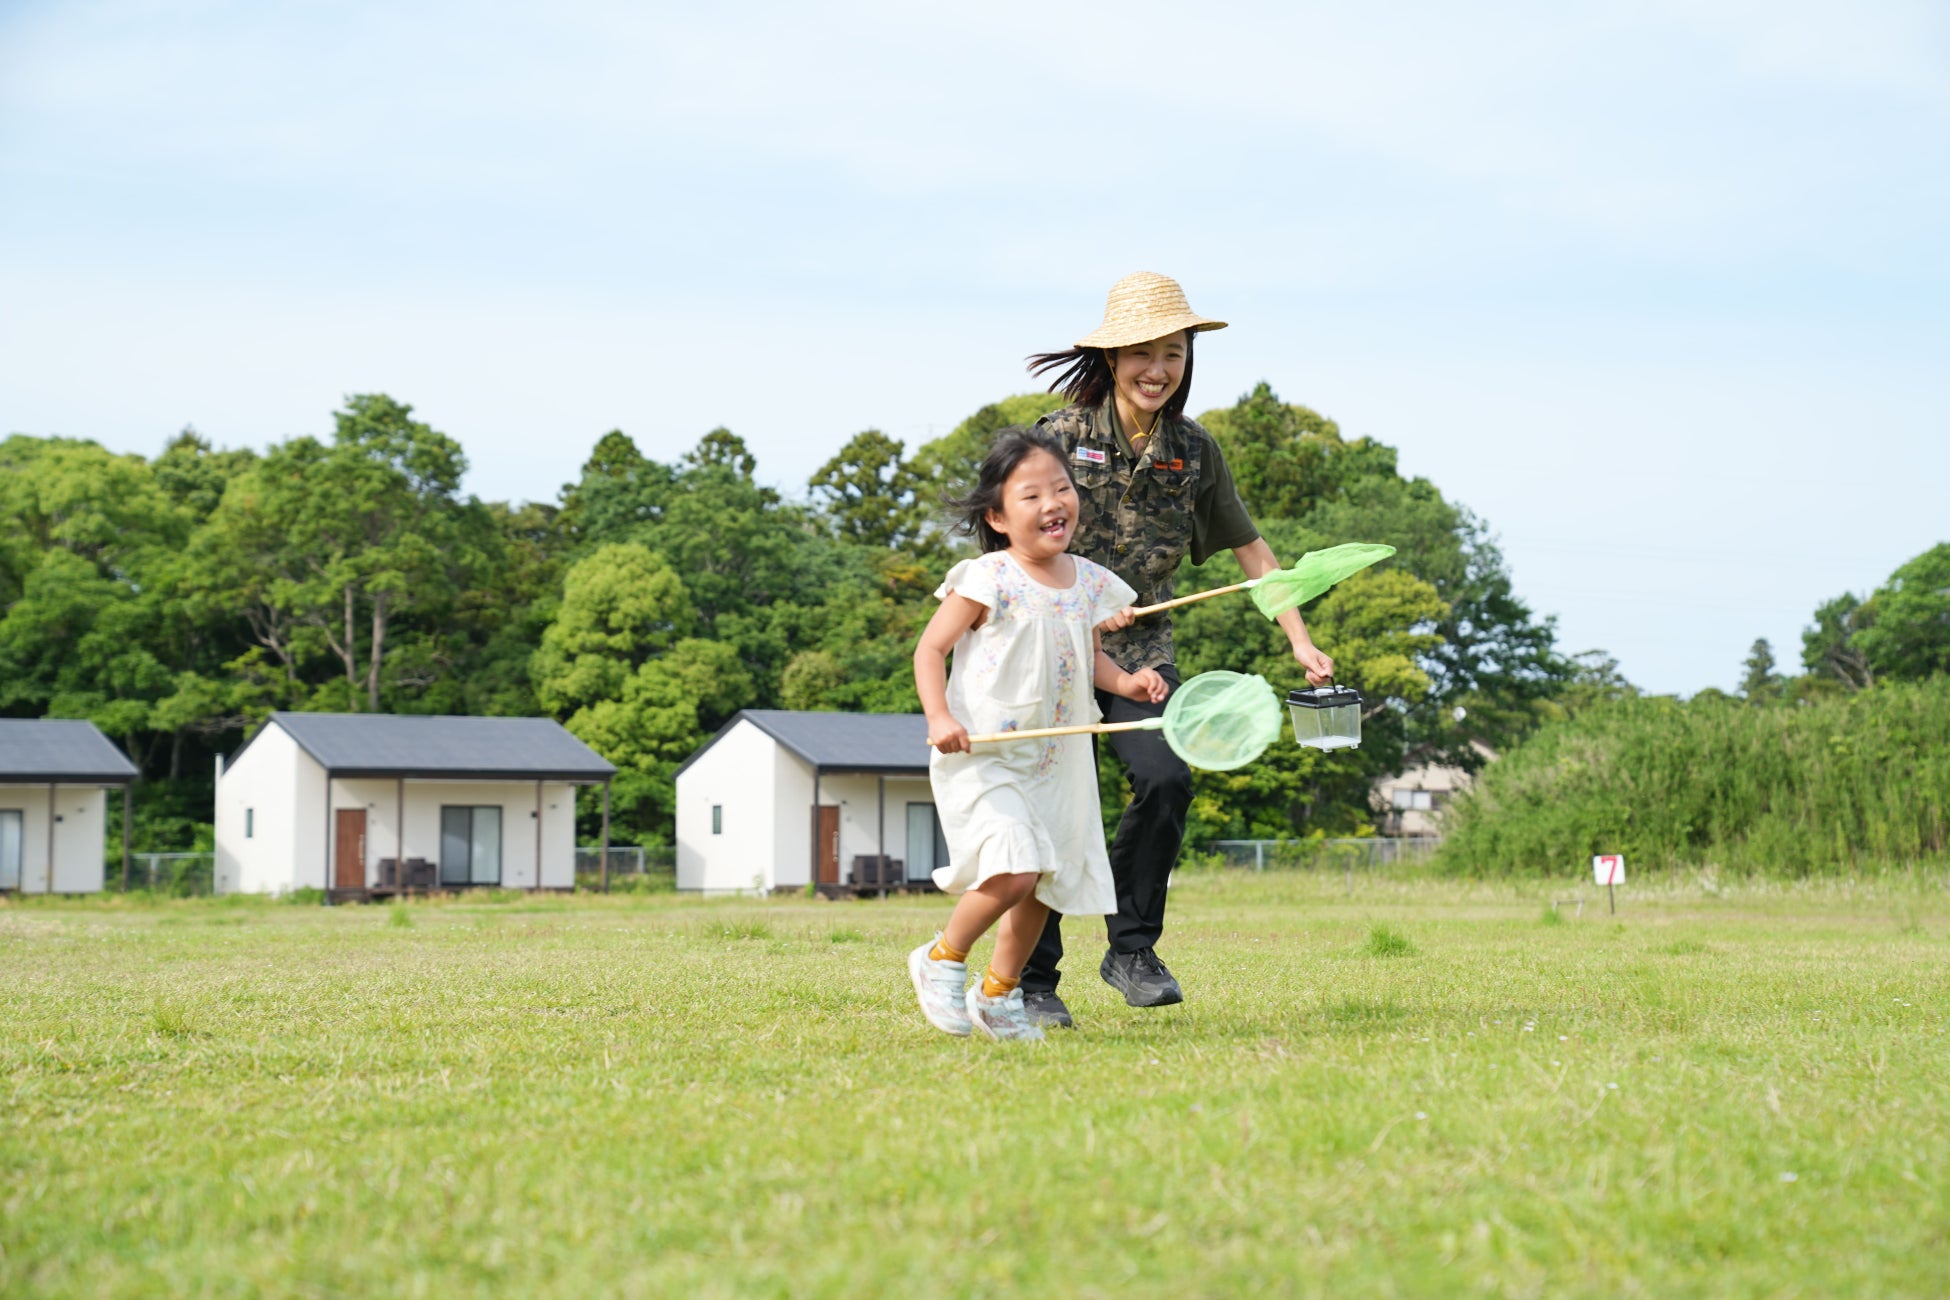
11	841
470	846
927	848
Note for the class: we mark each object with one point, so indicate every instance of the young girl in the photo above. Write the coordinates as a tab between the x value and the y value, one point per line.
1021	818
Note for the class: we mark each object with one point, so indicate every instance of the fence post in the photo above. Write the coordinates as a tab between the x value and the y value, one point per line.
1259	855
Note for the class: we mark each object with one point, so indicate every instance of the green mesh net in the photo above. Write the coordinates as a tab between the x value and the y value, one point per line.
1283	589
1221	720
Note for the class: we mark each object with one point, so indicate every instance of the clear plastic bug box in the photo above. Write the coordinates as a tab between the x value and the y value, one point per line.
1326	717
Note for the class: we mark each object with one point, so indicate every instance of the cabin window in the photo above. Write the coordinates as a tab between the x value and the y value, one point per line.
717	819
470	845
1414	800
250	822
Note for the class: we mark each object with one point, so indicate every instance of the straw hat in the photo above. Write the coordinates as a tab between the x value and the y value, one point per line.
1143	307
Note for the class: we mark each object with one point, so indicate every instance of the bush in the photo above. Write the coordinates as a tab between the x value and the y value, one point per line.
1831	786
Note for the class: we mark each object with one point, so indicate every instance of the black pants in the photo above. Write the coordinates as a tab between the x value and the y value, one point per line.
1146	848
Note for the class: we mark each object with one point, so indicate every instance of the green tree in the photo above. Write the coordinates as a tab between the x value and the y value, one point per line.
868	493
946	466
1909	638
620	490
86	540
620	667
1830	650
1760	684
1286	459
324	549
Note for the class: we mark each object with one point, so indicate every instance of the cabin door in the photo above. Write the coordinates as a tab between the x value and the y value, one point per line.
829	844
349	849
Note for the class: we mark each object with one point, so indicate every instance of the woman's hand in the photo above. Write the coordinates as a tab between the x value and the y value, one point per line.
1145	686
947	735
1319	668
1122	619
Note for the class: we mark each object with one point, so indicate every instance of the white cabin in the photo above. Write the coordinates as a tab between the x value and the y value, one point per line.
55	775
369	804
1410	803
779	799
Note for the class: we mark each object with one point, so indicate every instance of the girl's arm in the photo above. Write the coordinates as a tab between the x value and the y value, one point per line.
1144	684
956	615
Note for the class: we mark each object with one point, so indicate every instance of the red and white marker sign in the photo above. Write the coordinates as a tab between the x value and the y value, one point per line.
1608	868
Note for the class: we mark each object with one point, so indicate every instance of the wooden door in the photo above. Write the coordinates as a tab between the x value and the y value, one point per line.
829	845
349	855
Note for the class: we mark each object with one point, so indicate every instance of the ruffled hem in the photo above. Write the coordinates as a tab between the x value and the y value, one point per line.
1008	850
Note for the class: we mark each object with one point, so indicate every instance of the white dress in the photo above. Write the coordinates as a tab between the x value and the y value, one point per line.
1027	805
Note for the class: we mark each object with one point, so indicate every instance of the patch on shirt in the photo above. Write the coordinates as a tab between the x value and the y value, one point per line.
1090	455
1168	464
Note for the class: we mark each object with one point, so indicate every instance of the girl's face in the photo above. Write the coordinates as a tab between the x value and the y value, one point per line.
1039	507
1147	374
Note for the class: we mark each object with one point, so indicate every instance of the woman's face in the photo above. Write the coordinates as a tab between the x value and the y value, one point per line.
1147	374
1039	507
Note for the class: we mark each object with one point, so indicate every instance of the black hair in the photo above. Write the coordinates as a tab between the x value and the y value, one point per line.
1084	376
1012	446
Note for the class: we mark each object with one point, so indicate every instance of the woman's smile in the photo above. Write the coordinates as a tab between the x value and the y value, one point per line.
1145	376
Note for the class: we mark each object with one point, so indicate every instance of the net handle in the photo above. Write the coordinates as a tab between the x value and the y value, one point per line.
1091	729
1142	610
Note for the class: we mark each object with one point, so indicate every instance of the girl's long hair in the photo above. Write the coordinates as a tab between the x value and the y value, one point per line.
1011	447
1084	376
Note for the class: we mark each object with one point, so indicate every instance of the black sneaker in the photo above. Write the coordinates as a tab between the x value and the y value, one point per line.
1046	1009
1141	978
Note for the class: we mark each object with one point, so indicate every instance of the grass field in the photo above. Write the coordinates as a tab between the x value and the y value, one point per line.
1427	1088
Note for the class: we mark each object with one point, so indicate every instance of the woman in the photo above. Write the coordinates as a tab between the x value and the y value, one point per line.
1153	487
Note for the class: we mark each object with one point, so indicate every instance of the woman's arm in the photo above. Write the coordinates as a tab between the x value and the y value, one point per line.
956	615
1256	558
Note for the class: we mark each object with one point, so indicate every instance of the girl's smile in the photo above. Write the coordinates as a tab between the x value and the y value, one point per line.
1038	512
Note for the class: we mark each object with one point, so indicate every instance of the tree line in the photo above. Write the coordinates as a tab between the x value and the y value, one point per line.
177	600
1900	632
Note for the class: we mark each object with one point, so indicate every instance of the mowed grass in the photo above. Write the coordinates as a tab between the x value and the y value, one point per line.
1427	1088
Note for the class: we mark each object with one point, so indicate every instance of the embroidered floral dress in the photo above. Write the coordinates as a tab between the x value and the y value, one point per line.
1027	805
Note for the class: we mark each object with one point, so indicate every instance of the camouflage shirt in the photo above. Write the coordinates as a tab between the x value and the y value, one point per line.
1140	514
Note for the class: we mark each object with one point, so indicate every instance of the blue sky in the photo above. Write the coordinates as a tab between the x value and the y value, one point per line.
1660	289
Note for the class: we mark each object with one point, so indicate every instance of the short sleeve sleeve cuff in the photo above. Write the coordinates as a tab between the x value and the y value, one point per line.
1110	593
973	580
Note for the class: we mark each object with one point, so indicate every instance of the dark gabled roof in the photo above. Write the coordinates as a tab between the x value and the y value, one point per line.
59	749
840	742
390	744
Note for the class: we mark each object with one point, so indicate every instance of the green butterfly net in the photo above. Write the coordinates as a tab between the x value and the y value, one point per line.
1283	589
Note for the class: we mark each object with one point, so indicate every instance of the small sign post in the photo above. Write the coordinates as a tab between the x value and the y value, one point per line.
1608	869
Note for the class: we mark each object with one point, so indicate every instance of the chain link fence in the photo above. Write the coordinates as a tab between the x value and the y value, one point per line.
1344	855
177	875
632	869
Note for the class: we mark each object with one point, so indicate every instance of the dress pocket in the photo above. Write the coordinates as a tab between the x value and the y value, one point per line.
993	715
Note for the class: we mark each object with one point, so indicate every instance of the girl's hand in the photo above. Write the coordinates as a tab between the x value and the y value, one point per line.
1320	669
1123	618
947	735
1145	685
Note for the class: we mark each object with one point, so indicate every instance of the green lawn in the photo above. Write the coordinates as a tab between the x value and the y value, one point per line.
1427	1088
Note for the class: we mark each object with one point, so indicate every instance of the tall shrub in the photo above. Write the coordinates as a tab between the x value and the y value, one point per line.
1861	780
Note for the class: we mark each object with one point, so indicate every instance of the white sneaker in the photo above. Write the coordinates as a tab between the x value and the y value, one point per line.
938	984
1004	1017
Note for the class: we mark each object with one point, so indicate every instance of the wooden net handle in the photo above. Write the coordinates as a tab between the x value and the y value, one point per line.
1092	729
1142	610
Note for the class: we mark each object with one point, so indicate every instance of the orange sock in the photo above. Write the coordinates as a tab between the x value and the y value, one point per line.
994	986
942	952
